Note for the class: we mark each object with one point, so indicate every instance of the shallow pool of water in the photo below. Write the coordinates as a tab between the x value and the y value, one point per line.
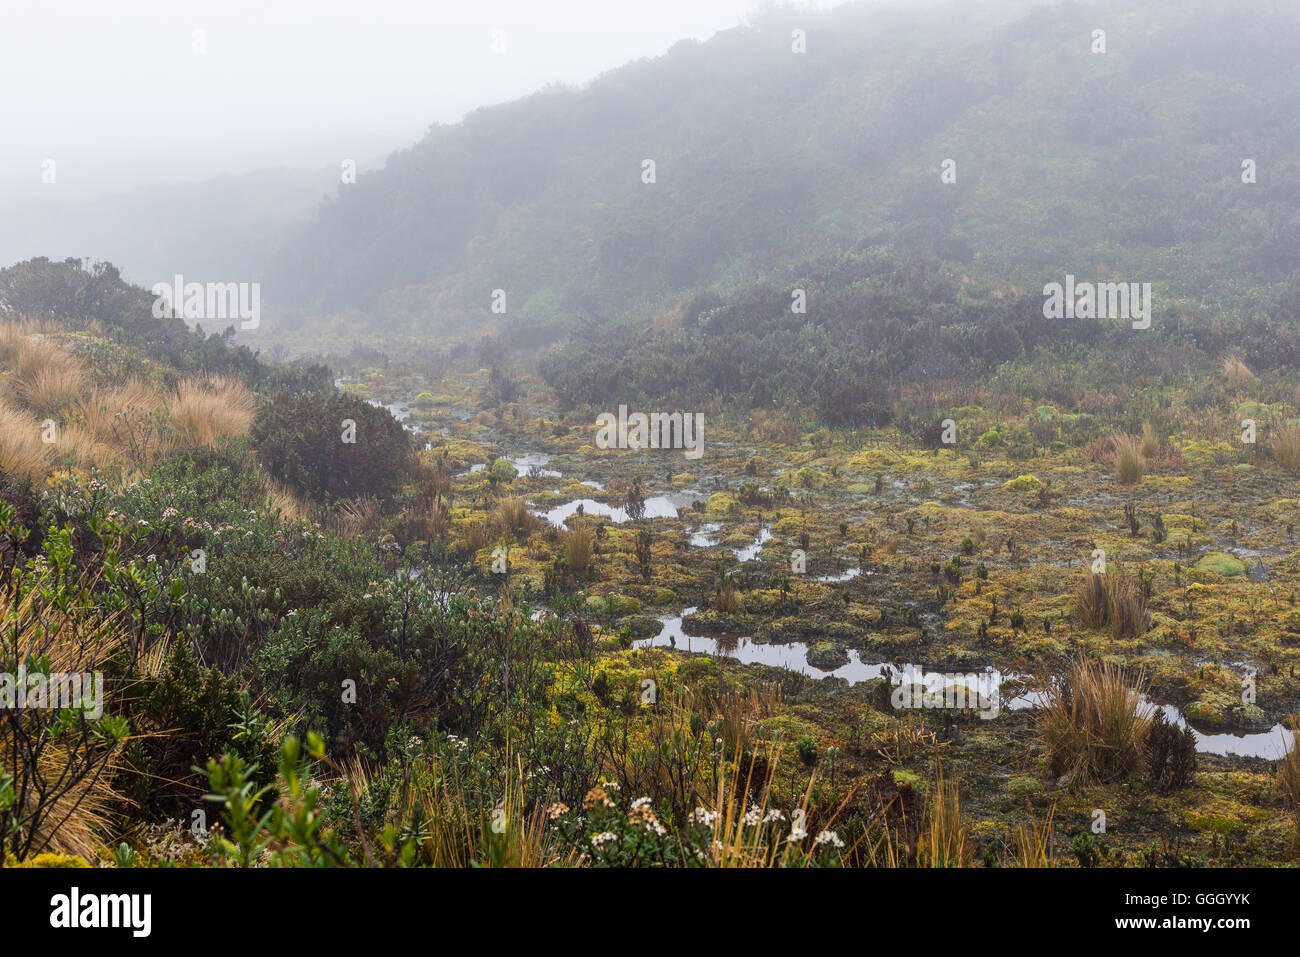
656	506
793	656
750	552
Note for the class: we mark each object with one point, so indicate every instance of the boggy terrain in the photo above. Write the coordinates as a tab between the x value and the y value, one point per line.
385	615
822	562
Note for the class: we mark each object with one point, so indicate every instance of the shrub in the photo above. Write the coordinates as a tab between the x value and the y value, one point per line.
1170	754
299	439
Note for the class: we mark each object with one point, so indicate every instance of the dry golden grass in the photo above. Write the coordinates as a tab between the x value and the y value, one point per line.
1034	843
289	505
21	450
38	374
53	388
106	412
1150	441
579	546
80	447
73	814
1095	724
203	412
1091	602
1286	446
728	600
1236	373
1130	463
514	516
455	831
1111	600
944	841
1288	776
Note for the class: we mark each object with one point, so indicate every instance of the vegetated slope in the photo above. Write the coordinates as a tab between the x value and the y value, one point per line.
1123	164
881	324
94	296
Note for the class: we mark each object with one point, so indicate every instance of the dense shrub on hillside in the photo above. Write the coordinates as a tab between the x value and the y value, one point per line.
332	447
96	296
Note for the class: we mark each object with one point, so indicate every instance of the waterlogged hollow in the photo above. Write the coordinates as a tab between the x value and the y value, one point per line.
750	552
793	656
656	506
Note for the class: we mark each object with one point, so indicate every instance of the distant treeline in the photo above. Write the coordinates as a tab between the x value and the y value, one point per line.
878	321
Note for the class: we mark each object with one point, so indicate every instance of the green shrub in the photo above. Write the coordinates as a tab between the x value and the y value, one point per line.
301	441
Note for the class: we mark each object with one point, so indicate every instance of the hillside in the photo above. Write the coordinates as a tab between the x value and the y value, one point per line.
1118	165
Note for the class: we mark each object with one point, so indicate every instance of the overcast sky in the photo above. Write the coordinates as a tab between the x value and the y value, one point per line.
115	93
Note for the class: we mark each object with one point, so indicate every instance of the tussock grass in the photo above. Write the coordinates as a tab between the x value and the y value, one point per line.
944	841
1288	777
1033	844
1236	373
1150	445
727	600
80	447
456	831
1130	463
21	450
514	516
1286	446
104	410
203	412
53	388
1091	603
579	546
1113	601
1095	724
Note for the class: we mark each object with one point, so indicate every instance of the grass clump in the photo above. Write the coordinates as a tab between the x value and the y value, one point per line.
1111	600
1130	463
1095	725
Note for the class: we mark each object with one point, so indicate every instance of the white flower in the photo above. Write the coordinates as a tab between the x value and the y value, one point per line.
773	815
604	837
753	815
641	802
797	834
702	815
829	837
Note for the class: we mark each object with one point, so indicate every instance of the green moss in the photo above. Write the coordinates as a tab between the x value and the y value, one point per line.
1023	483
1221	564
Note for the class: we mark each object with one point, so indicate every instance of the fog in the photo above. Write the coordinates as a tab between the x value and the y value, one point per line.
145	92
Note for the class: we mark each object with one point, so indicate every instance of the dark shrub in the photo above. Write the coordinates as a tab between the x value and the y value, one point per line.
1171	754
300	440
